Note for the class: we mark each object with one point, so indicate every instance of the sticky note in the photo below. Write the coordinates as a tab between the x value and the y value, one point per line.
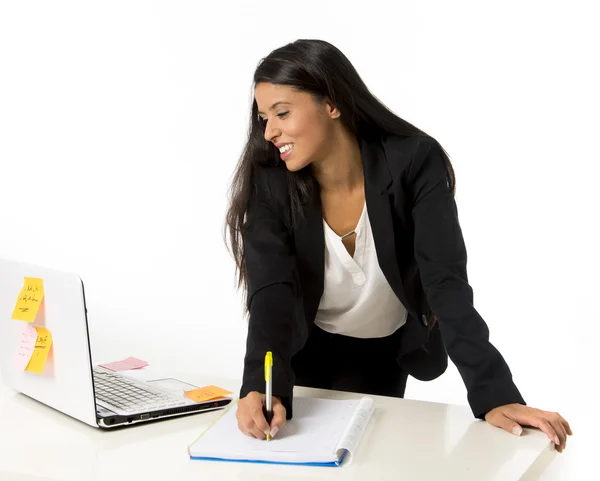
29	300
43	344
27	341
125	364
206	393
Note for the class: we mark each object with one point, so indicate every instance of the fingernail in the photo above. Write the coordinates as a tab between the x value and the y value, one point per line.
274	431
556	441
517	430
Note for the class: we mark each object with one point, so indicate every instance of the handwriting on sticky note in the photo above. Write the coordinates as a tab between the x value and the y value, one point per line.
29	300
206	393
27	341
43	344
125	364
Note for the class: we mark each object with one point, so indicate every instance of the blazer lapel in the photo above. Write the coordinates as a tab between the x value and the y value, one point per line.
310	253
377	180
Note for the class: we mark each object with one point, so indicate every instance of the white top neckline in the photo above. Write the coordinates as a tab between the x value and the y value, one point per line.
352	263
357	300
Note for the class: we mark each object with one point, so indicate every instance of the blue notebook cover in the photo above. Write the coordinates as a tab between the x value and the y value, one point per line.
330	464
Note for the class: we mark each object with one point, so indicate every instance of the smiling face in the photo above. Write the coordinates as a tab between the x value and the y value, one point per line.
299	126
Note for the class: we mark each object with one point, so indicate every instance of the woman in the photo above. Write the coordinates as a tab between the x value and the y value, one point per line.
346	238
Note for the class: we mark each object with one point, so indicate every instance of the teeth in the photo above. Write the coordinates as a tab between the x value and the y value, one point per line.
285	148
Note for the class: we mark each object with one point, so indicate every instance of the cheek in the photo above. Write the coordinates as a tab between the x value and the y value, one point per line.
297	128
311	136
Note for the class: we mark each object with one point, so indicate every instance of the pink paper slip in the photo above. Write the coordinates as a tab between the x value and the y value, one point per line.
26	346
125	364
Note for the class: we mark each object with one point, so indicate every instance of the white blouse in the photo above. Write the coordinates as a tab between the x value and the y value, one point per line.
357	300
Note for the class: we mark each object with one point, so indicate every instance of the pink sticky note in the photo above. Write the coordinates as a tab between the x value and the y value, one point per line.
26	346
125	364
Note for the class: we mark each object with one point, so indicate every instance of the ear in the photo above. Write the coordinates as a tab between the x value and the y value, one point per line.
332	110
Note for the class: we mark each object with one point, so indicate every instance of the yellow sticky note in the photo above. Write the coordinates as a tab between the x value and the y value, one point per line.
29	300
206	393
40	353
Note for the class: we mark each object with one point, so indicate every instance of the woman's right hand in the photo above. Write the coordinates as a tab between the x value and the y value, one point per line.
251	418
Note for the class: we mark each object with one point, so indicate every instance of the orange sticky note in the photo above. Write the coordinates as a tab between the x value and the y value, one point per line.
206	393
29	300
40	353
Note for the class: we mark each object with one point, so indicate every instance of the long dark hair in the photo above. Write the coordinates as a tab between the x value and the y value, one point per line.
319	68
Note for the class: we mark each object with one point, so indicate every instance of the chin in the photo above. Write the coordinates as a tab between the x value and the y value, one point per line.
294	166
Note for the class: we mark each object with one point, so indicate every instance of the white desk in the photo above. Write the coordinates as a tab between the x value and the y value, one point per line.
406	440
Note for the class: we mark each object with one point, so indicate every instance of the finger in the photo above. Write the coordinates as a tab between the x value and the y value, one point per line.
504	422
249	427
544	425
561	434
255	432
246	422
239	415
560	430
278	421
565	425
260	422
246	426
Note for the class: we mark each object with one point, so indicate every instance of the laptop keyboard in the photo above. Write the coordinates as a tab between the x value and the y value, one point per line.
128	395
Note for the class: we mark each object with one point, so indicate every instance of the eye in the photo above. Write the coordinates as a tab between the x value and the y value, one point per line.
281	115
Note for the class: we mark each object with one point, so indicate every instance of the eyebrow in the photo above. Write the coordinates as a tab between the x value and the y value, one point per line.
280	102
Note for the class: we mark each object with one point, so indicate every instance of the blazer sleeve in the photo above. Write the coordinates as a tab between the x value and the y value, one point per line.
270	267
442	259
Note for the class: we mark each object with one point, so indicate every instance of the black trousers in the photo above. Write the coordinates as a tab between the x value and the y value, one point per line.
343	363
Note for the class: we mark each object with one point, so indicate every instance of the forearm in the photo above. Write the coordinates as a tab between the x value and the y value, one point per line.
270	329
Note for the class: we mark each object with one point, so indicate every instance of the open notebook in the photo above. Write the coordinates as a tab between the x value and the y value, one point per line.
322	433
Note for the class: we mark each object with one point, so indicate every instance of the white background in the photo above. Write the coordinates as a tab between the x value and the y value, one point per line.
121	123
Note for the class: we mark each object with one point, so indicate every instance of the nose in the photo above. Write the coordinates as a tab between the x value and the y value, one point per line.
272	130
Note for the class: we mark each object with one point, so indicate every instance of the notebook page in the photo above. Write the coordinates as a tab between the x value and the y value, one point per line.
313	435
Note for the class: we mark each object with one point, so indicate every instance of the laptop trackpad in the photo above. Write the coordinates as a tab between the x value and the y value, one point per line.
173	385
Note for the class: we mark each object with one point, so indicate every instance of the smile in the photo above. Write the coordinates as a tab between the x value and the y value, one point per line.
286	147
286	151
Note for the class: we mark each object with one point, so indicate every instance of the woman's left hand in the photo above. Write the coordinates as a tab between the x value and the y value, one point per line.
510	417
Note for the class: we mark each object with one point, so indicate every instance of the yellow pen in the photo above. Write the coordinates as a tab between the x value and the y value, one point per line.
269	389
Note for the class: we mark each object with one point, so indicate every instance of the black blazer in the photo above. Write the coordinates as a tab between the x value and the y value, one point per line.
421	252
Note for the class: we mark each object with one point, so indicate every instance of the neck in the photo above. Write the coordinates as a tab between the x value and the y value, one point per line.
341	169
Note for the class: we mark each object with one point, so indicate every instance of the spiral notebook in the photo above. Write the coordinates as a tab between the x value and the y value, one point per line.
323	432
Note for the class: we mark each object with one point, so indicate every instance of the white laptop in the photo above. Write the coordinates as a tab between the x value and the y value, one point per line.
69	382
